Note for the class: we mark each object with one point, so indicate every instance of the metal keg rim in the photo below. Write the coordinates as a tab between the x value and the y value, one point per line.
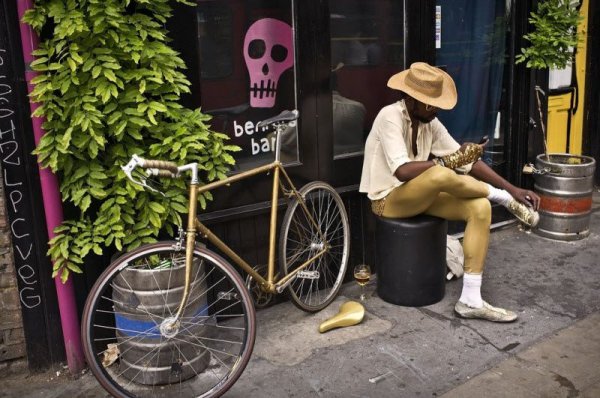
589	160
584	170
176	267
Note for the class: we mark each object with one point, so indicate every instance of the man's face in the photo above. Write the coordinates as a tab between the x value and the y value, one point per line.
420	111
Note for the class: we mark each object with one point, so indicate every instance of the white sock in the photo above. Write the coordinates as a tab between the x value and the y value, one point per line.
499	196
471	291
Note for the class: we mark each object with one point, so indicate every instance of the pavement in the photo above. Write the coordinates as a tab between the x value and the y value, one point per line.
552	350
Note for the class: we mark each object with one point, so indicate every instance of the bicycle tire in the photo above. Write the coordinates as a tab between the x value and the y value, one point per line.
128	306
299	241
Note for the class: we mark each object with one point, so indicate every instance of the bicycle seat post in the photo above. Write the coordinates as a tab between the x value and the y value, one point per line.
279	127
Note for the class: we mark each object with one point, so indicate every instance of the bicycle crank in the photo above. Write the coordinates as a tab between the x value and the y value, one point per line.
260	297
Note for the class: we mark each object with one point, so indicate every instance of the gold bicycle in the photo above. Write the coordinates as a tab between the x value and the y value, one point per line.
176	319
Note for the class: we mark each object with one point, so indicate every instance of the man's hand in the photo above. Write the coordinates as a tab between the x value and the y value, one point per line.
485	173
526	197
484	141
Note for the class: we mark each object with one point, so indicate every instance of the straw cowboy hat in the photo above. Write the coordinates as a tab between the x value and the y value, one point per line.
426	83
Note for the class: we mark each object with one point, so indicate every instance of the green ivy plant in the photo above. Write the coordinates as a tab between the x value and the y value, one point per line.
109	87
554	35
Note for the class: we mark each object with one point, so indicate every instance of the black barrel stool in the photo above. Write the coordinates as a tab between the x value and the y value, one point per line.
411	259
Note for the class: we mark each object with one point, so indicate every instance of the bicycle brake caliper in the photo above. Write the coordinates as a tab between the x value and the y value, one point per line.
180	240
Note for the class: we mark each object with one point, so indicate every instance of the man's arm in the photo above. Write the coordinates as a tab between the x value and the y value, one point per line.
410	170
483	172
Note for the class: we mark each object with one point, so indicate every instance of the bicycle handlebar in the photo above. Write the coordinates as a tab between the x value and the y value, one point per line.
161	173
159	168
160	165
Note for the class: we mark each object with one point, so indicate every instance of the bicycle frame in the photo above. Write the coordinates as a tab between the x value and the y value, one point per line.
268	284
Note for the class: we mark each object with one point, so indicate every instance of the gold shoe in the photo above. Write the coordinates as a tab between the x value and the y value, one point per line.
486	312
525	214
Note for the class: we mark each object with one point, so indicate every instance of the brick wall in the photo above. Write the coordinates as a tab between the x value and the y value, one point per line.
12	339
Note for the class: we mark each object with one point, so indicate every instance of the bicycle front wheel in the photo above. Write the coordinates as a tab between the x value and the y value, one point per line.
306	230
134	345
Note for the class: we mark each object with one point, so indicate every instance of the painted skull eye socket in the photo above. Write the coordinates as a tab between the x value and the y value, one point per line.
279	53
257	48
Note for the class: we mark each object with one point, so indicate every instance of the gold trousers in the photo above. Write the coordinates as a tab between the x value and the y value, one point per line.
441	192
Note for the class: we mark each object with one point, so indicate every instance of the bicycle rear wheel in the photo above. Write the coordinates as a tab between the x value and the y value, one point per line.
301	239
127	341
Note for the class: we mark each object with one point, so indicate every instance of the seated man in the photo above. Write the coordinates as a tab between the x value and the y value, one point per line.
401	181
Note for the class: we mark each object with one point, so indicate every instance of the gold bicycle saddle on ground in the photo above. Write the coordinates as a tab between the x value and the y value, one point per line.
351	313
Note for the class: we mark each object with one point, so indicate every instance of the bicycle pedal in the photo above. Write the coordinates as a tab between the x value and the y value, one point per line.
308	275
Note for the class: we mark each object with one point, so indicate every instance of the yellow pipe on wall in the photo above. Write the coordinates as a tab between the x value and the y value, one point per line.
559	105
576	138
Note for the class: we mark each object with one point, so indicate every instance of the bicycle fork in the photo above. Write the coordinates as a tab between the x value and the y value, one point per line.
171	325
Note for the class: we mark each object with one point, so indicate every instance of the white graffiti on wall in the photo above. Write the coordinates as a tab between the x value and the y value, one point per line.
14	188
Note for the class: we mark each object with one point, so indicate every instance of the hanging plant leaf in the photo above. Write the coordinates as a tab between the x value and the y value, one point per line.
109	87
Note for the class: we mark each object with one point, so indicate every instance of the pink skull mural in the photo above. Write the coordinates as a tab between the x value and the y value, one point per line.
268	52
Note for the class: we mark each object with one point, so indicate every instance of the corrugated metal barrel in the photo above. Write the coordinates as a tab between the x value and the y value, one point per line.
142	299
566	195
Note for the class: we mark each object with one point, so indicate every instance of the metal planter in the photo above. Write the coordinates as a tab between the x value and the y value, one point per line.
565	187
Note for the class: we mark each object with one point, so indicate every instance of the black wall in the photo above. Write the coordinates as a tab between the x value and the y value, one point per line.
41	321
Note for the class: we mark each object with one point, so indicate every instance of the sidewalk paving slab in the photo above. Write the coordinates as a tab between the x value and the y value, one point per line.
564	365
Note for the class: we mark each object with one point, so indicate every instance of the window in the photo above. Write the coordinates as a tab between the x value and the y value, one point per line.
215	40
248	63
367	47
473	51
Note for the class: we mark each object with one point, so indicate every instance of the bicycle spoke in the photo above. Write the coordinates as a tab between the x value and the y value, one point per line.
146	312
135	364
208	347
322	223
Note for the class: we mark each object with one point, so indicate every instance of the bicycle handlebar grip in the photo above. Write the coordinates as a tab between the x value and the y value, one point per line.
161	165
164	173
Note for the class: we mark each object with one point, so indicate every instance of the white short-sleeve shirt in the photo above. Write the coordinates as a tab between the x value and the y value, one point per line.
388	147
